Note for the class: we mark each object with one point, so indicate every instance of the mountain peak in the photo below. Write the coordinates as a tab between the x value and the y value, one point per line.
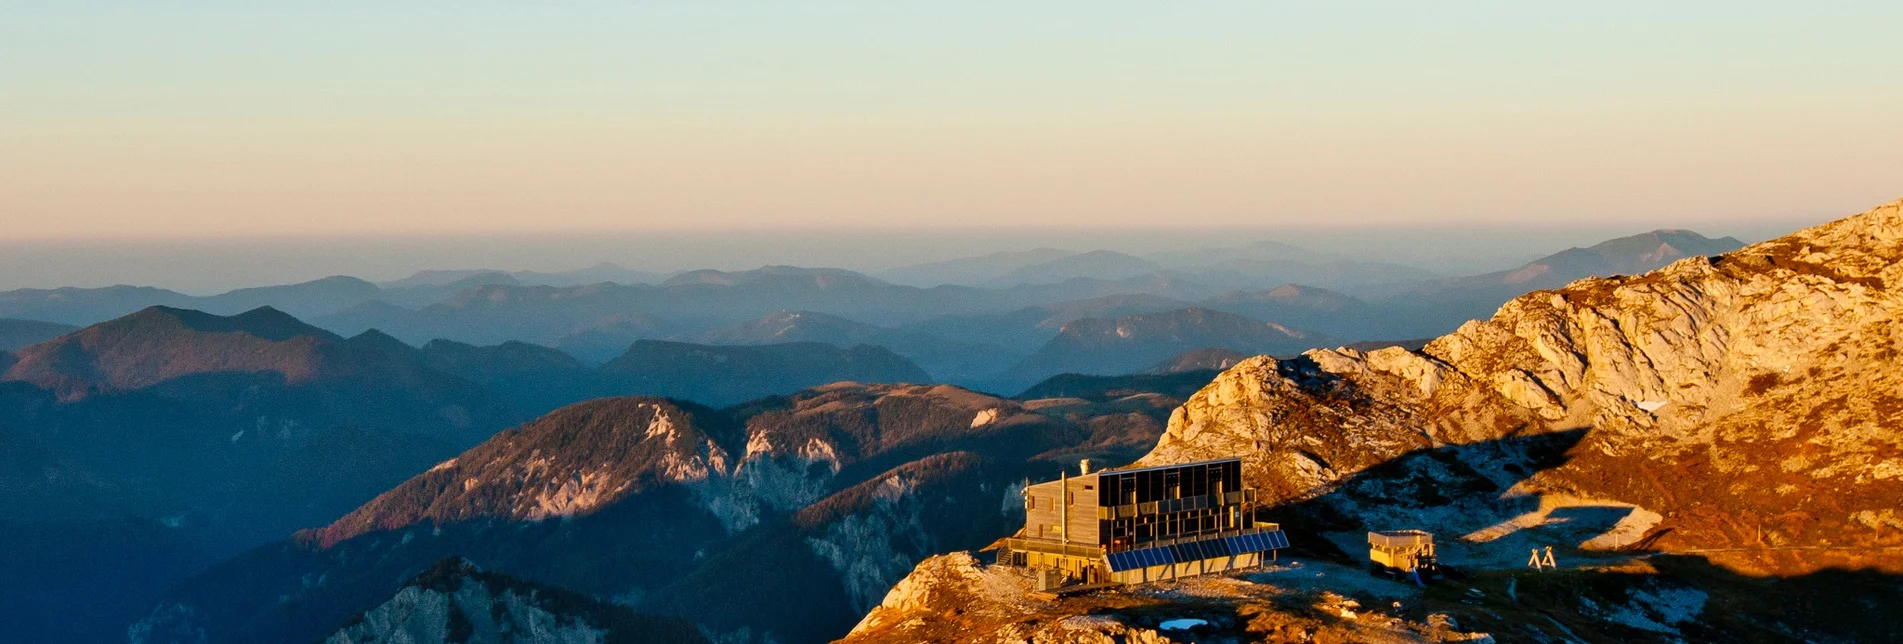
1675	385
160	343
570	462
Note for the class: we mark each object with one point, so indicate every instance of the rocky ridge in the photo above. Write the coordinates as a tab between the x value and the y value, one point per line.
1745	401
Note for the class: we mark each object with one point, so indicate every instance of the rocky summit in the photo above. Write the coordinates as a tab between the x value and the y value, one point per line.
1709	447
1744	402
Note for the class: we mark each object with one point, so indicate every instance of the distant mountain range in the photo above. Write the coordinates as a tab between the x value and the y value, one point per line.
969	335
723	375
603	272
1136	343
970	271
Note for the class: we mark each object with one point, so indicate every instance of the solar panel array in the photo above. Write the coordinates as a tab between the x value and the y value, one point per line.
1197	550
1134	559
1258	542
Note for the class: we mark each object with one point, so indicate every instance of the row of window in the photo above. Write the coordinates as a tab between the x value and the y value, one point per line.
1153	527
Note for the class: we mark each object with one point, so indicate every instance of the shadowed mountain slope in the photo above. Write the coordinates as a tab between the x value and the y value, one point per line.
532	379
247	425
943	359
454	601
15	334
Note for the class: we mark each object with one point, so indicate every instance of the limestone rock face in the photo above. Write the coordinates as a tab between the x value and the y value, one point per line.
1753	398
454	601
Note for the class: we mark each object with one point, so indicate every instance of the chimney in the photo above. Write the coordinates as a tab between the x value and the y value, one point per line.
1084	466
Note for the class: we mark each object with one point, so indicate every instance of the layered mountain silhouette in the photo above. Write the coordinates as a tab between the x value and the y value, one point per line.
1136	343
943	358
1267	263
1307	307
1096	264
596	274
970	271
722	375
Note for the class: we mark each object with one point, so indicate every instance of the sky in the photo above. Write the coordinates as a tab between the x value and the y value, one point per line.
206	120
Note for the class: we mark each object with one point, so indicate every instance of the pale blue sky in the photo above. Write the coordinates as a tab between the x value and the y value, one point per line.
218	119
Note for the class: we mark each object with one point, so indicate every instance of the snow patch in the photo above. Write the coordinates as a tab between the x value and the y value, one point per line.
1649	405
443	465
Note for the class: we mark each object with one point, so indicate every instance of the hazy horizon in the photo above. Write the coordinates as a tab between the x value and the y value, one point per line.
210	266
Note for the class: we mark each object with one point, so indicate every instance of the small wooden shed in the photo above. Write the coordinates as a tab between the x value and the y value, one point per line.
1401	552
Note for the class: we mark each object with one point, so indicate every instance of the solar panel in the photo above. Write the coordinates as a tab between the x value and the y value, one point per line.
1216	548
1278	539
1210	548
1163	556
1121	561
1253	542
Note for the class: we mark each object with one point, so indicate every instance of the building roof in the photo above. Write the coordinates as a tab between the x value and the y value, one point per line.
1164	467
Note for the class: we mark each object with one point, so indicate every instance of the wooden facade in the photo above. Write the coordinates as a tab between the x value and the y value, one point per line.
1064	510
